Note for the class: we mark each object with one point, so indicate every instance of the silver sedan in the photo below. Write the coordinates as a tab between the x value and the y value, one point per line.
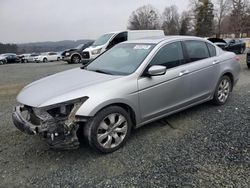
130	85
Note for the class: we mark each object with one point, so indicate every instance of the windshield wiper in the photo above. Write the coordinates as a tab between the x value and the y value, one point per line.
103	72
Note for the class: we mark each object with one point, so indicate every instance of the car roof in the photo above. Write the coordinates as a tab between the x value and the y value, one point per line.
8	54
157	40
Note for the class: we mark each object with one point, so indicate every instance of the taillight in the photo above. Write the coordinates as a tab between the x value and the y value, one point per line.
237	58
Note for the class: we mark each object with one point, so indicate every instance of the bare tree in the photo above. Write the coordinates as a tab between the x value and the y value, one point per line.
170	18
185	24
238	16
222	8
145	17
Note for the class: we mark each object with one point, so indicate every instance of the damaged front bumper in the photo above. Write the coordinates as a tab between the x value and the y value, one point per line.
55	131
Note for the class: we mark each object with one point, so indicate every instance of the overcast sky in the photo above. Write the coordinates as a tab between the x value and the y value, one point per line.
53	20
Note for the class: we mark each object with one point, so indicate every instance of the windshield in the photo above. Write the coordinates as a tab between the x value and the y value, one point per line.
79	46
123	59
227	40
103	39
33	55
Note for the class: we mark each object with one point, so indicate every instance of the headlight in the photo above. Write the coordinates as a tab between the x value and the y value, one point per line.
97	51
67	54
62	112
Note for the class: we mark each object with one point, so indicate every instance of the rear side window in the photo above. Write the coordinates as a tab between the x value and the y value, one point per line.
212	50
170	56
196	50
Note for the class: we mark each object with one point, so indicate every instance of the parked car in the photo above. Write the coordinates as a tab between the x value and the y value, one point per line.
32	57
130	85
75	55
23	58
48	56
248	59
11	58
3	60
109	40
232	45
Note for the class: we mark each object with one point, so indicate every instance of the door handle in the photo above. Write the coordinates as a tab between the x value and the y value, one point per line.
216	62
184	72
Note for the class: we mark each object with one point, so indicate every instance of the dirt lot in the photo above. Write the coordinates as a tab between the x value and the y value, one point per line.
205	146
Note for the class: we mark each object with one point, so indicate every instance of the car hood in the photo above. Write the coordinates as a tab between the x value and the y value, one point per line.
2	58
61	87
92	48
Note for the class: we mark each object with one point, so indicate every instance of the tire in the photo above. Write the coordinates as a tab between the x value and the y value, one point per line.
222	91
45	60
75	59
58	59
112	134
1	62
241	50
248	65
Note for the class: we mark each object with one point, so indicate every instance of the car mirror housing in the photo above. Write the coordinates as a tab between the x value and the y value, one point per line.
156	70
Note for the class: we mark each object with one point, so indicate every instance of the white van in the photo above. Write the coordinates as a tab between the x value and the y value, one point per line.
109	40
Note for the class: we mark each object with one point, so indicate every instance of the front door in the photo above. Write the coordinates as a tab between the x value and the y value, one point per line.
159	95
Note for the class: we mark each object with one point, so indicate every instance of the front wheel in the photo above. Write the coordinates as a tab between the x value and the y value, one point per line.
109	129
222	91
76	59
45	60
1	62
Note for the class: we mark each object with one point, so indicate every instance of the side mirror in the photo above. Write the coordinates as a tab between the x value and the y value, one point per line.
156	70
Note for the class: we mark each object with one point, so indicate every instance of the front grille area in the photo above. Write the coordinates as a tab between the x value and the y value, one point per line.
85	55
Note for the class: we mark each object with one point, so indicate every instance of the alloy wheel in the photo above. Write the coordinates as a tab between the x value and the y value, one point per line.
112	130
223	90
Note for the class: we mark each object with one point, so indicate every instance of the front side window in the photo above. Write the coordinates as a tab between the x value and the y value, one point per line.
122	59
121	37
196	50
170	56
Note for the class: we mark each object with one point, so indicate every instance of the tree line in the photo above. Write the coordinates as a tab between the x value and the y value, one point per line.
6	48
203	18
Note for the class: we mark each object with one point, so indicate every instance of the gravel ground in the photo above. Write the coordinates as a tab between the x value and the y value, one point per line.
205	146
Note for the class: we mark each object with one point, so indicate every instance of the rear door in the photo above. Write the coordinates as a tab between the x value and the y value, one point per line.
159	95
52	56
203	67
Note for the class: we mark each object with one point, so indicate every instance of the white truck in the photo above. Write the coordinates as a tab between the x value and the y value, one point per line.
110	39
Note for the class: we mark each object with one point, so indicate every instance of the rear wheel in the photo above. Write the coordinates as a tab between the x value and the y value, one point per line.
75	59
109	129
222	91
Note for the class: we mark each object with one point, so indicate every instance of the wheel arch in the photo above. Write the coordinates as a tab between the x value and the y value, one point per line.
75	53
231	76
131	111
126	107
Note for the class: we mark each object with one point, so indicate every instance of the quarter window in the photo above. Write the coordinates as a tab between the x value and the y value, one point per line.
212	50
170	56
197	50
